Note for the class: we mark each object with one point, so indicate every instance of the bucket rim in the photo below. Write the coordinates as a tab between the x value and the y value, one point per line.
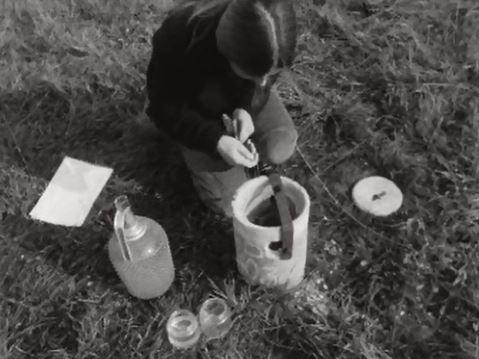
242	217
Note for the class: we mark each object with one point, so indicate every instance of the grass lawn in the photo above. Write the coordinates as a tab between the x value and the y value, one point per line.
390	87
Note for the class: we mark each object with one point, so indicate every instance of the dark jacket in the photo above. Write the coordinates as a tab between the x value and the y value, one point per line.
190	84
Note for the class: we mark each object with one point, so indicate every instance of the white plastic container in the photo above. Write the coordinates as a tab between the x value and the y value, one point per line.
257	259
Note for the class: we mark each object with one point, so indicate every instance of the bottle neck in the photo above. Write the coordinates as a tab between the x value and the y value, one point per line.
134	227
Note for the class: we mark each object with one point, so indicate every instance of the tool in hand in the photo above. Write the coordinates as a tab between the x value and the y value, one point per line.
254	171
232	129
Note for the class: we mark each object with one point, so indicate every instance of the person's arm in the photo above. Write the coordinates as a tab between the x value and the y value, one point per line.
168	89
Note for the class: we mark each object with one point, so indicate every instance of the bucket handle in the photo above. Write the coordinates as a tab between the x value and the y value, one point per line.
287	229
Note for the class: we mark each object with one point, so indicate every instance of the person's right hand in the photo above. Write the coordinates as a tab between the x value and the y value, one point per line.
245	124
235	153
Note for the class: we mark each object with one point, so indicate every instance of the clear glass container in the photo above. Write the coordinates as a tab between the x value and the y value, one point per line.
183	329
140	253
215	318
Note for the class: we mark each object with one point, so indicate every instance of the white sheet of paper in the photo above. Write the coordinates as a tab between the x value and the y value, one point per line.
70	195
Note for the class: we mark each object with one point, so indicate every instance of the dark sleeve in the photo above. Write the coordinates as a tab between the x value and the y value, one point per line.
169	91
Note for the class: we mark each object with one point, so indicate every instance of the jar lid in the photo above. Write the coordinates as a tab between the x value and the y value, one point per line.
377	195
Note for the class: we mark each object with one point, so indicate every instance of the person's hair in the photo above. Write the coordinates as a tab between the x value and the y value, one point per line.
256	35
204	8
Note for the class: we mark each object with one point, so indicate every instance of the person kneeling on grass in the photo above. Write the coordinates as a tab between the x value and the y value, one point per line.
218	57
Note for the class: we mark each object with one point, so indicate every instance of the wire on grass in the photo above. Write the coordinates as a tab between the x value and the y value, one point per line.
335	200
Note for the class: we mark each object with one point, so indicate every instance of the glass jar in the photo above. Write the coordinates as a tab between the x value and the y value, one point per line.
183	329
215	318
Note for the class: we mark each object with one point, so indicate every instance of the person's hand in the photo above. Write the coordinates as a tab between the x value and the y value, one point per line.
245	124
235	153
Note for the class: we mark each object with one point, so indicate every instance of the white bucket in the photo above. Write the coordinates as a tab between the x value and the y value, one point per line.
256	261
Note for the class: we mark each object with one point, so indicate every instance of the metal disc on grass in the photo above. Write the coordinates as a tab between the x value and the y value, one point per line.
377	195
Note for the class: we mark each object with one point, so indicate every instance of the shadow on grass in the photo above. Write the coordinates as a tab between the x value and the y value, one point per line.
101	128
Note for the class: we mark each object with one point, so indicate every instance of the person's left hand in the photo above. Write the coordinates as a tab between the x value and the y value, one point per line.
245	124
